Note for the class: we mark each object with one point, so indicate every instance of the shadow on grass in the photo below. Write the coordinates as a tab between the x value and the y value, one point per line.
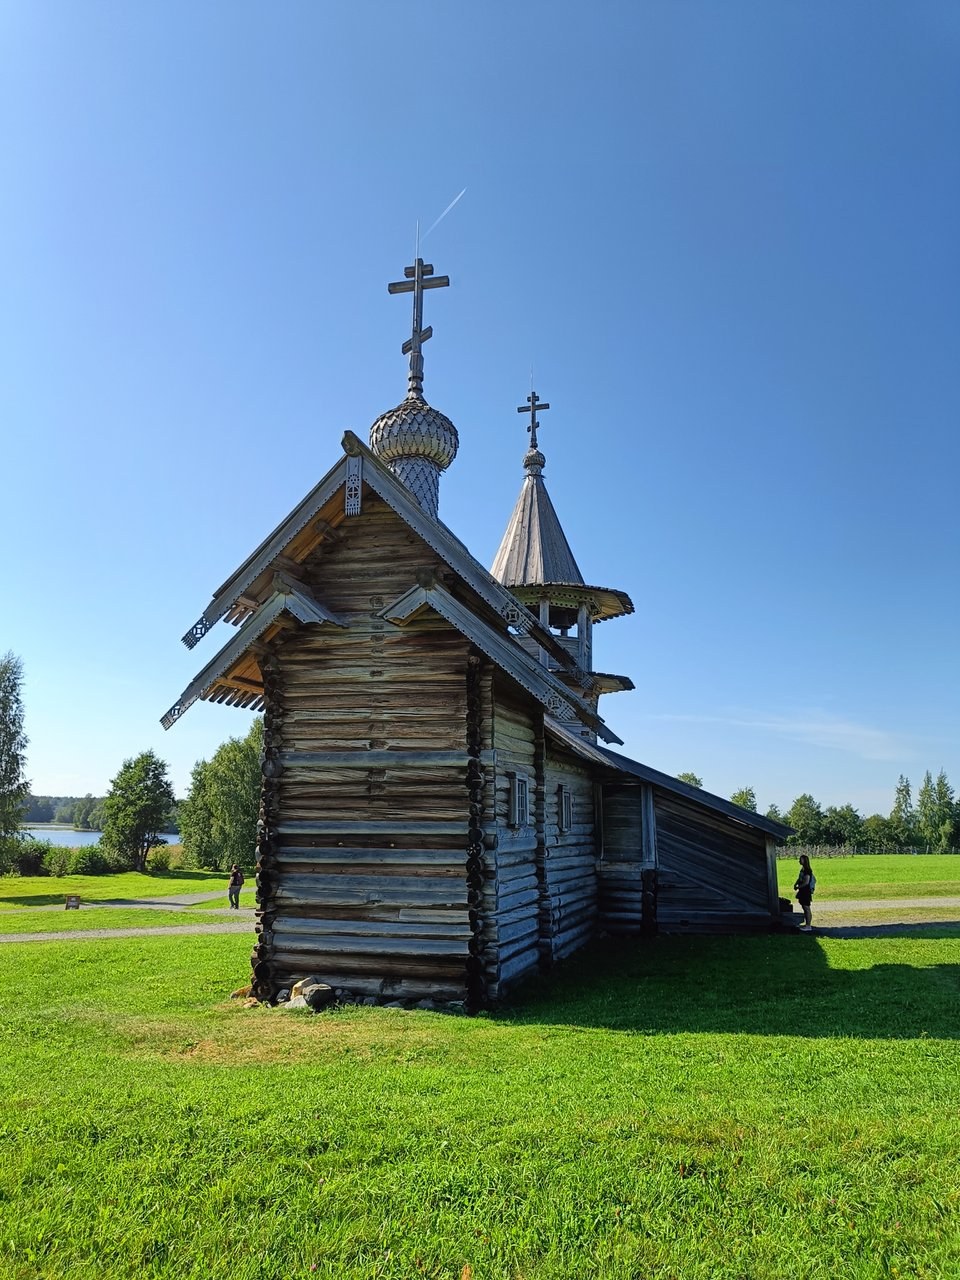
763	985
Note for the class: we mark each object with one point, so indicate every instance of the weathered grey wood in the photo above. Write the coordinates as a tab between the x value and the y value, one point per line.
381	759
385	827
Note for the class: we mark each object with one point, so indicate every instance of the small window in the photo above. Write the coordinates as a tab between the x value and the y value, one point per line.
565	809
519	810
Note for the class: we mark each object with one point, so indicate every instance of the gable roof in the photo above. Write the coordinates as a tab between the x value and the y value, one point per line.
318	515
623	764
335	498
218	682
530	674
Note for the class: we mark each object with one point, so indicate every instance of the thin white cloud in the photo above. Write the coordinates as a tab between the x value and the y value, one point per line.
814	728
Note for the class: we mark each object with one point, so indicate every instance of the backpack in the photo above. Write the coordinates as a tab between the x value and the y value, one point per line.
813	882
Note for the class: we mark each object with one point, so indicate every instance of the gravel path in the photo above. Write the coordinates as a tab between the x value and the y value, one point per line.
881	904
243	921
155	904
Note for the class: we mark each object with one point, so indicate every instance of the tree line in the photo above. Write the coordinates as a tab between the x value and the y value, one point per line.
931	822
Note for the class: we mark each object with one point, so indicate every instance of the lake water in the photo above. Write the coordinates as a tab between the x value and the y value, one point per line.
75	839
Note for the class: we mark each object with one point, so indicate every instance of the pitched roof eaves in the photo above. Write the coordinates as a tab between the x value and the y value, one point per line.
502	649
295	601
613	759
267	551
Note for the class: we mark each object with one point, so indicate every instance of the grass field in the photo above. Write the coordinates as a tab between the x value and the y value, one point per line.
889	875
722	1108
39	891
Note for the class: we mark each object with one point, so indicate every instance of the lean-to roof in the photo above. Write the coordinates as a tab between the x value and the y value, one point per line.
608	759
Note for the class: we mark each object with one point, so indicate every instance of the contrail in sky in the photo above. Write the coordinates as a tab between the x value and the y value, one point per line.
444	214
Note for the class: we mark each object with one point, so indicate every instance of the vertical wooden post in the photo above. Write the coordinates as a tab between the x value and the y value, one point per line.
545	621
263	986
649	861
476	969
584	639
773	888
539	814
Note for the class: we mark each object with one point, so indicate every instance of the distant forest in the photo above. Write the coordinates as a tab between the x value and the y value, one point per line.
83	813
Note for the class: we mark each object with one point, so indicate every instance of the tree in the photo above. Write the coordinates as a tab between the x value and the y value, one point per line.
691	779
841	825
14	787
806	818
935	812
218	819
746	798
903	818
774	814
879	834
134	811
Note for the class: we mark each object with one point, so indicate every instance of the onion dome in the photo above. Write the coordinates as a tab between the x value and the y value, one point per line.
417	442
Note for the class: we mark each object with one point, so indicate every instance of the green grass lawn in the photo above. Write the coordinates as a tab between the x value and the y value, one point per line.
891	875
38	891
112	918
699	1108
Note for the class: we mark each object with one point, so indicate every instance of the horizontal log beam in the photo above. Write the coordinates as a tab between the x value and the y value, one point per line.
361	759
334	828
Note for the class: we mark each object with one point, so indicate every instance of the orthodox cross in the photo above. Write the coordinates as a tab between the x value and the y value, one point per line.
418	277
533	404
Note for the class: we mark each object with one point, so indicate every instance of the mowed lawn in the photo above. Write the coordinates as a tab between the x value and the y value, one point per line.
867	876
17	892
722	1108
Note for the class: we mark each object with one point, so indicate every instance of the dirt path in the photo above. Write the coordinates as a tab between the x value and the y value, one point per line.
171	902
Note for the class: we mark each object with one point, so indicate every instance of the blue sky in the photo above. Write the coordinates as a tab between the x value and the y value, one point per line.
723	235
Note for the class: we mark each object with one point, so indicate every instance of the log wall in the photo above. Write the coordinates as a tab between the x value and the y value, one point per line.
570	858
367	885
511	906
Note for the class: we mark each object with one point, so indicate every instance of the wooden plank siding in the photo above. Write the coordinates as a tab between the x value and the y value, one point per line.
369	886
570	857
623	861
712	871
511	907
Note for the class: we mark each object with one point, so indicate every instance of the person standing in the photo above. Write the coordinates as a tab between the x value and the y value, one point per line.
234	887
805	884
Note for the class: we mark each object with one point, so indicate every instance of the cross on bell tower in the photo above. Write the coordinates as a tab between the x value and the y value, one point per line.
418	277
533	404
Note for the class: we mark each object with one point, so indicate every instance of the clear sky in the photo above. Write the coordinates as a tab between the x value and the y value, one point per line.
725	236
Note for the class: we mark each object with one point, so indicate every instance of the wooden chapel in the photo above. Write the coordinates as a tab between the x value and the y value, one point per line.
441	811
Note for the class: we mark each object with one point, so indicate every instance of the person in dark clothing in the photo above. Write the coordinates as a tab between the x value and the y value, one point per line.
234	887
805	884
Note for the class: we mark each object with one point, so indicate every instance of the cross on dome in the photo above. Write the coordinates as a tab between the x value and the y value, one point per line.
418	277
533	404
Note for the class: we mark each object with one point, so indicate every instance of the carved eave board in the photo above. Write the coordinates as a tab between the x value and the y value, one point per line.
233	676
532	676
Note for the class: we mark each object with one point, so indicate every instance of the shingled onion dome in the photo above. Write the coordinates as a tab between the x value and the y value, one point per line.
416	442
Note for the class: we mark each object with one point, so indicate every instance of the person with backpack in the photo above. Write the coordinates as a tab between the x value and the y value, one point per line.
234	887
805	885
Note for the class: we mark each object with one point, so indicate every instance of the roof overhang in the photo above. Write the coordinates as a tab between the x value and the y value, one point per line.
233	676
502	649
602	602
612	760
318	517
